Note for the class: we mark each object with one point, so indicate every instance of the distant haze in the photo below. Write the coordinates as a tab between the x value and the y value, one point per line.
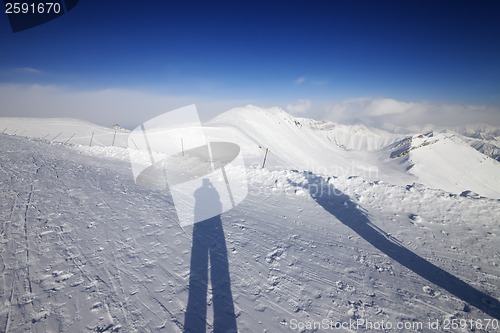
380	111
129	108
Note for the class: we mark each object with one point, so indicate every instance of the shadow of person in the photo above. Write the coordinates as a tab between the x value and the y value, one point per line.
209	244
340	205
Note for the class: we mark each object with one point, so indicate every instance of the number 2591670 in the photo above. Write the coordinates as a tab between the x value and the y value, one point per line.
32	8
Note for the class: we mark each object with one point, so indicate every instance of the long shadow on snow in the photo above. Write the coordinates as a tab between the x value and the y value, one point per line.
209	246
340	205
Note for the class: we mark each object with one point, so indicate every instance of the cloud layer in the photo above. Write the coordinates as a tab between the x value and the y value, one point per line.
127	107
130	107
382	111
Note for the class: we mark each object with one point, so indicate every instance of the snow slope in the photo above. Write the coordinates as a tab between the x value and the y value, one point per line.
86	250
65	130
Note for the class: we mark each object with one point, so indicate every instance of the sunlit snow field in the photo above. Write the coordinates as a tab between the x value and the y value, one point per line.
328	236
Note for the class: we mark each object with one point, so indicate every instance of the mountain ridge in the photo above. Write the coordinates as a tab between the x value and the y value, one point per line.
322	147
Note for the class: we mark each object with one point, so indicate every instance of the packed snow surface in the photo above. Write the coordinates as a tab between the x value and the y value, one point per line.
327	237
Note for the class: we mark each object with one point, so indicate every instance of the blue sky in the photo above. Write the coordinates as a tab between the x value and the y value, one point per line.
225	54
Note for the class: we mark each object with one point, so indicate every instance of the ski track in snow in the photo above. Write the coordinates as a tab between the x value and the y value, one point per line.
86	250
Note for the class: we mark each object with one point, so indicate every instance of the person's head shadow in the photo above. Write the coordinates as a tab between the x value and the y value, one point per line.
209	247
351	215
207	201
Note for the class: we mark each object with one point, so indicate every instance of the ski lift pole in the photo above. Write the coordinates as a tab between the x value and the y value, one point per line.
265	157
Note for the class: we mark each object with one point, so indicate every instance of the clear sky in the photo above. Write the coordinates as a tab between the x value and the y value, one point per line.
112	57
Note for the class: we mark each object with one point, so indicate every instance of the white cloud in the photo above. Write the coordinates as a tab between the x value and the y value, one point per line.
301	106
320	83
127	107
27	70
298	81
381	111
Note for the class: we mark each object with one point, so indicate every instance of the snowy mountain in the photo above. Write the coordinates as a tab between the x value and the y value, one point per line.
85	249
438	159
484	138
480	131
444	160
489	149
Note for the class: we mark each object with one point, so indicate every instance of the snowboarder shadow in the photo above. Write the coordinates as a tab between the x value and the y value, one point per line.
340	205
209	246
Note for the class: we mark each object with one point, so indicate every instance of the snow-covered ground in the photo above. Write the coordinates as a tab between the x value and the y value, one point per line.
328	239
65	130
